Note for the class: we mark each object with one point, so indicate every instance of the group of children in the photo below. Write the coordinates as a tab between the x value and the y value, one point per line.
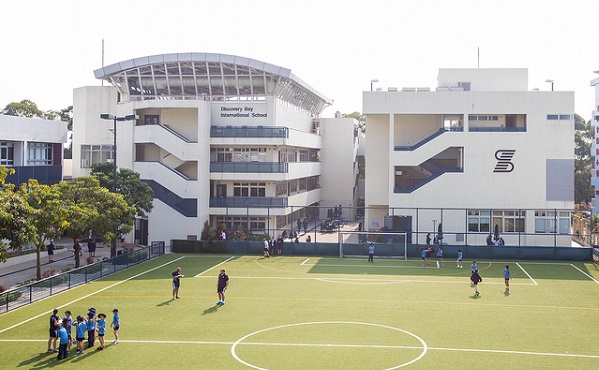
475	278
60	331
426	255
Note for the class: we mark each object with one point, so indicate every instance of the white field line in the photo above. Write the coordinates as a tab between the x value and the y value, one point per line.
215	266
306	260
371	281
589	276
332	345
91	294
527	274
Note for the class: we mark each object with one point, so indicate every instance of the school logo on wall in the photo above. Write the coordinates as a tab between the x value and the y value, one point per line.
504	160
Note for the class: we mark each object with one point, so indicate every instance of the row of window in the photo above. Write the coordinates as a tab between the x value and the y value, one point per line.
242	222
38	154
561	117
482	118
546	222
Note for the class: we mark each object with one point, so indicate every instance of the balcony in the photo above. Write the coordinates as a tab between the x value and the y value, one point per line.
249	167
251	202
245	131
43	174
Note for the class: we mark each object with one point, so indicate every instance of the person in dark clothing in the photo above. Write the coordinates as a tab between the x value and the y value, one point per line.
475	279
50	249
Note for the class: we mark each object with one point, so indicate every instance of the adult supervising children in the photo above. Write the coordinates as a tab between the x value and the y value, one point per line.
176	282
506	277
54	326
221	285
475	279
371	252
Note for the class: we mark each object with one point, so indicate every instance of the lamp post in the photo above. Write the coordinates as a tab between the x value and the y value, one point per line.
551	82
372	82
130	117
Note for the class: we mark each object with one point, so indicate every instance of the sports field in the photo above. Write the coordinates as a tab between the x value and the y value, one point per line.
326	313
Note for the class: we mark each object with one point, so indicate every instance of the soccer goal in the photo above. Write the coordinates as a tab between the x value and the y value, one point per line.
387	244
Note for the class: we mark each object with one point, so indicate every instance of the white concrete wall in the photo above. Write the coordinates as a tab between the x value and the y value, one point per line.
485	79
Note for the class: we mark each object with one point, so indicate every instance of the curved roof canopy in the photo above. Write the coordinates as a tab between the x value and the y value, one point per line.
216	77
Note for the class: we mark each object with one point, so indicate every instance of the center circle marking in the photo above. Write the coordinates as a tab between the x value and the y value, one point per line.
424	345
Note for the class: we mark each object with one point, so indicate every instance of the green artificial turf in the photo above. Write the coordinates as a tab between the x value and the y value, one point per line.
326	313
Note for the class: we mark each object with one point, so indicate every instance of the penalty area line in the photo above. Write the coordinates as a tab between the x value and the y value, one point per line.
527	274
587	275
215	266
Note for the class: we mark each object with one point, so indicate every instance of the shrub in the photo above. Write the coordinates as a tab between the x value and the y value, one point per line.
90	260
12	296
2	288
47	273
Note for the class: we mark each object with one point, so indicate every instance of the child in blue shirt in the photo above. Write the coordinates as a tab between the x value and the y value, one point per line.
64	340
101	327
67	321
423	254
473	266
506	277
80	333
459	258
91	328
116	324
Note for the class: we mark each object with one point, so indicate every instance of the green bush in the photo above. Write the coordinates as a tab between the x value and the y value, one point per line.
12	296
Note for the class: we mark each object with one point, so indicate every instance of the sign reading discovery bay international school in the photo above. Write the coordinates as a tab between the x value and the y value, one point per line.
235	114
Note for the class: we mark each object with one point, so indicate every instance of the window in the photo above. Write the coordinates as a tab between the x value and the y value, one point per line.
249	189
7	153
238	154
565	117
552	116
242	222
509	221
281	188
479	221
151	119
94	154
39	154
545	222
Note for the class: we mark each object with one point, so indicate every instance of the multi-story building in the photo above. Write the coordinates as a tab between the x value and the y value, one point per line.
482	155
33	148
221	139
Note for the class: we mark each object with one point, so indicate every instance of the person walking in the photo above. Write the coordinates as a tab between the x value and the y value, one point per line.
50	248
305	224
475	279
176	282
371	253
222	284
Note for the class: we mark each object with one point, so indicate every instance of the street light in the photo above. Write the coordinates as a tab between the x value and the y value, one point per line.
372	82
551	82
130	117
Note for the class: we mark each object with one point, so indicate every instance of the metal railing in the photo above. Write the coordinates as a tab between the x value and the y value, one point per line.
21	296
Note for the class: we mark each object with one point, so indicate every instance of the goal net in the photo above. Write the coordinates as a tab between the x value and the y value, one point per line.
387	244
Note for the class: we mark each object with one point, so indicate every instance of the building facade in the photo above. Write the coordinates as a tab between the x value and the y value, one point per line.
481	155
221	139
33	148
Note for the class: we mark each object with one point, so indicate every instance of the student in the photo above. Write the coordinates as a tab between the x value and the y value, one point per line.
67	321
440	257
221	285
80	333
473	266
475	279
101	325
64	340
91	327
428	239
459	258
273	246
506	277
50	248
371	253
176	282
308	239
116	324
53	330
266	248
423	254
279	243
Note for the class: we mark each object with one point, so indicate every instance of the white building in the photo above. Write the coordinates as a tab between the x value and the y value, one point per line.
220	138
33	148
480	154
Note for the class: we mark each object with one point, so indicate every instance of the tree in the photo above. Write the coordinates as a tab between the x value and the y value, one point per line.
14	213
91	207
583	161
47	218
128	183
27	108
358	117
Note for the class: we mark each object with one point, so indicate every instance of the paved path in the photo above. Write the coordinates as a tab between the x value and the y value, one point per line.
21	268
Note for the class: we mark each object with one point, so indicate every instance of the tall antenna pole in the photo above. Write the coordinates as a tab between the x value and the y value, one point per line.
102	59
478	48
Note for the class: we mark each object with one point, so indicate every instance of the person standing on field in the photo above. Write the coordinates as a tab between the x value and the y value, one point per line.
221	286
506	277
475	279
176	283
371	253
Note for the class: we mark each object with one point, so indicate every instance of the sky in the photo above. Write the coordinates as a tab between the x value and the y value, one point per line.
336	46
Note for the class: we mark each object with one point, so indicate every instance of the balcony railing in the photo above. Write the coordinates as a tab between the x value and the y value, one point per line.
245	131
497	129
249	167
43	174
254	202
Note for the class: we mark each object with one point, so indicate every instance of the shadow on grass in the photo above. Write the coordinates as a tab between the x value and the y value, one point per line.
474	296
210	310
42	361
165	303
